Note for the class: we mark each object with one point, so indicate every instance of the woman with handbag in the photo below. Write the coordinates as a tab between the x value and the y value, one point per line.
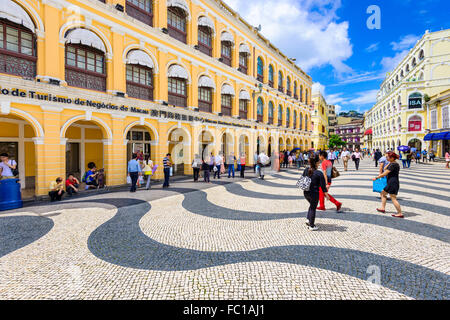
317	182
392	172
327	170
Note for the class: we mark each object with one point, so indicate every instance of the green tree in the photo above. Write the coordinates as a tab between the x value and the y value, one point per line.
336	141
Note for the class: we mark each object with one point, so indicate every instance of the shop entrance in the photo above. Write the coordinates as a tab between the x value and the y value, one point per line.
139	142
16	139
415	143
180	151
84	145
205	142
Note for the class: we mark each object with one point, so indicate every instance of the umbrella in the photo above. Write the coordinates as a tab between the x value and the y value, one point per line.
403	148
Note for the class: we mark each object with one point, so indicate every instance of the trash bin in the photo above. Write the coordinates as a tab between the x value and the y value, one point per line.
10	194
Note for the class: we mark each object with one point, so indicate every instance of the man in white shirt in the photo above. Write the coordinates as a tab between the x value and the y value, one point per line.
218	160
345	156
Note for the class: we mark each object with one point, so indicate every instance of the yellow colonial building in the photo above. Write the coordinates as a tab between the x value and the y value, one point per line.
94	81
320	122
404	112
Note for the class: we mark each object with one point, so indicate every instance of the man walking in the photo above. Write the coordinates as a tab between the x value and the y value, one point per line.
377	157
134	171
345	156
167	163
231	160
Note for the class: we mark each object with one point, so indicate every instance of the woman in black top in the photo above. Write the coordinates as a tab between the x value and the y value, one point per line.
317	181
392	172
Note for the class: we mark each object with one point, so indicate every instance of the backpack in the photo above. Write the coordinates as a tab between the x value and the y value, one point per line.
304	183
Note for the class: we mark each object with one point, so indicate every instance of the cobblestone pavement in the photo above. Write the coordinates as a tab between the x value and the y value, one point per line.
233	239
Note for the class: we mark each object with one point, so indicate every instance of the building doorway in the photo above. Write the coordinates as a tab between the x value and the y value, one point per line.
415	143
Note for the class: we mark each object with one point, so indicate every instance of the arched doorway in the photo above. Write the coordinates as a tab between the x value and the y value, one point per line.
281	144
179	150
205	144
140	140
260	145
227	145
244	147
84	145
415	143
16	140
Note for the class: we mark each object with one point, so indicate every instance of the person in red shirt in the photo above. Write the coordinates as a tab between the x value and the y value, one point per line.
72	184
326	167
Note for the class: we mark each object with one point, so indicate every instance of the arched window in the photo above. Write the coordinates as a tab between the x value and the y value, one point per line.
270	76
85	60
407	68
306	96
177	85
227	43
244	53
301	93
420	76
227	95
306	122
415	123
421	55
205	34
301	122
288	86
414	63
139	75
295	90
280	82
259	110
295	119
141	10
205	92
177	20
288	118
18	54
270	112
280	115
260	75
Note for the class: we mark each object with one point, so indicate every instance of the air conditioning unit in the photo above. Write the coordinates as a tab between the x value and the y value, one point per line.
196	47
220	59
165	30
164	103
120	94
119	7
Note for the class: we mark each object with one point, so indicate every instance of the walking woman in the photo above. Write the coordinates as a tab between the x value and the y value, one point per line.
357	158
317	183
447	159
326	168
393	184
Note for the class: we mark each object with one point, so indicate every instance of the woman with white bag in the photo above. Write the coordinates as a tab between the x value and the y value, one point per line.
311	191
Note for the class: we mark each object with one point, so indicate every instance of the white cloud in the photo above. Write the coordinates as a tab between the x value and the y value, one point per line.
318	87
373	47
401	48
303	29
338	109
406	42
389	63
365	97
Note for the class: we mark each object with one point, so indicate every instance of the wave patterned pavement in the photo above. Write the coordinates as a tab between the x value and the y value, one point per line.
243	239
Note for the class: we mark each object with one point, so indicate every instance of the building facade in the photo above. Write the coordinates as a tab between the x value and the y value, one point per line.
401	115
438	110
352	133
332	119
94	81
320	122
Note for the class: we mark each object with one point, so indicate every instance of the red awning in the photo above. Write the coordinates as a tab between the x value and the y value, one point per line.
368	131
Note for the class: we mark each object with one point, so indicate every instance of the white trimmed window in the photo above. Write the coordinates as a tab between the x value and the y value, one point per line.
433	115
445	117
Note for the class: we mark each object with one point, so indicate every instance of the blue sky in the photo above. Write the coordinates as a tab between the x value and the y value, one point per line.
330	39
